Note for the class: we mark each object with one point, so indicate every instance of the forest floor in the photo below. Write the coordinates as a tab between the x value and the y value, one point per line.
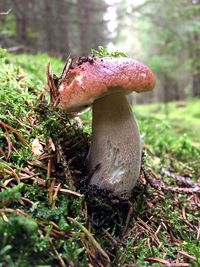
49	216
184	116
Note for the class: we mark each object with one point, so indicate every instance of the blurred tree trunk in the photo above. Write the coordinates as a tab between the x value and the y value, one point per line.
62	35
20	9
57	27
84	24
196	58
91	24
49	24
169	40
193	38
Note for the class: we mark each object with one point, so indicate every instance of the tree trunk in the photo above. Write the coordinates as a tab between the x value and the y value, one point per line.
84	25
196	72
20	9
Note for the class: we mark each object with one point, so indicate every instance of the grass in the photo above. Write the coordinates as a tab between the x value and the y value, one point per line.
35	65
184	116
48	214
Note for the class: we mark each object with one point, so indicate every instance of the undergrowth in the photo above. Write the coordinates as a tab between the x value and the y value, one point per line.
183	116
48	217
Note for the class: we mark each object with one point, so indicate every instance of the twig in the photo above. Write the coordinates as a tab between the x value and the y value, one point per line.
5	13
51	189
28	201
16	48
128	218
66	68
14	131
67	192
90	253
3	153
10	171
167	263
49	168
114	241
4	216
198	232
91	238
65	164
62	263
186	255
158	184
182	180
55	195
54	233
9	143
53	89
42	182
17	211
149	230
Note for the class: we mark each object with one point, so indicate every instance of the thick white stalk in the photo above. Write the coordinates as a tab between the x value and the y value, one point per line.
114	157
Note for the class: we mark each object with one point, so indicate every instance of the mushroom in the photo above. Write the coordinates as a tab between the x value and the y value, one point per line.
114	158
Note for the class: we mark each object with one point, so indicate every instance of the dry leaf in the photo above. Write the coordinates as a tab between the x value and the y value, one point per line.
37	148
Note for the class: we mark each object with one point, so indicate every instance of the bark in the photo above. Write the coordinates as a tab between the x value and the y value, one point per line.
196	58
84	13
49	25
20	9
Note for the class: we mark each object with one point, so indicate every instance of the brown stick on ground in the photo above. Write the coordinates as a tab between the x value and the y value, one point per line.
158	184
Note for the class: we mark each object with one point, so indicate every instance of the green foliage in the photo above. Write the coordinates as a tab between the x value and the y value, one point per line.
3	55
168	147
11	81
20	243
168	33
35	66
16	101
10	195
3	166
158	135
194	249
181	117
163	64
103	52
8	28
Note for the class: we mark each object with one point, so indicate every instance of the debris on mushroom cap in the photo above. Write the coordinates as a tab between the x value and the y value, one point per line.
94	79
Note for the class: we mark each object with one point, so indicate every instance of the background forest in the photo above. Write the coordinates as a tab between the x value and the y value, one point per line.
164	34
49	214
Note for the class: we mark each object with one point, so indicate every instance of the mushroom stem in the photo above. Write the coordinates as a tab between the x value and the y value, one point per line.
114	157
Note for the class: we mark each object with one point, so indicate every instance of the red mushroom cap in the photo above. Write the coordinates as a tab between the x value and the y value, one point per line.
102	76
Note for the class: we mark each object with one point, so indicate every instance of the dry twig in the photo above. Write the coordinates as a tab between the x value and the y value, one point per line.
159	185
91	238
